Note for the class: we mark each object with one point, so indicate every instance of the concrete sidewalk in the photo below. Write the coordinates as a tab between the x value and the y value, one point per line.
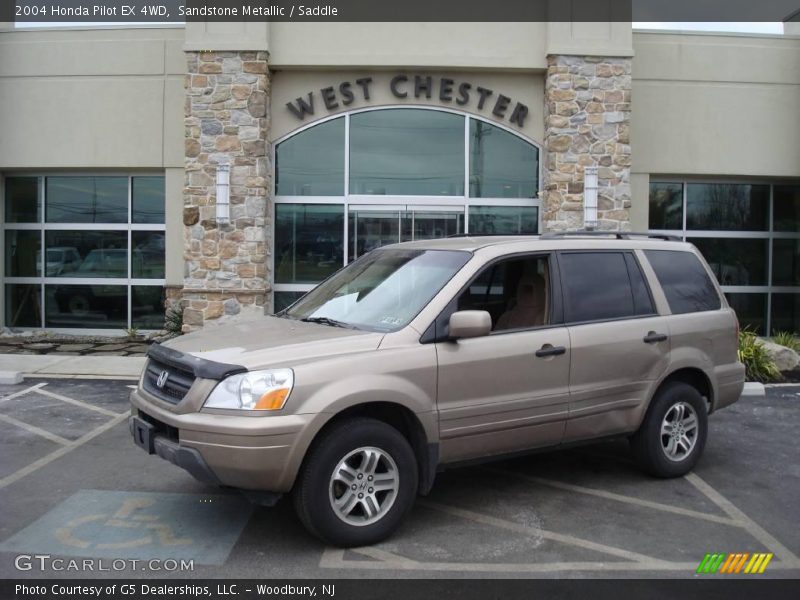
13	367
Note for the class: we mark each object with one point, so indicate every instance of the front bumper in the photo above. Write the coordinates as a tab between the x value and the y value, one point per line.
250	452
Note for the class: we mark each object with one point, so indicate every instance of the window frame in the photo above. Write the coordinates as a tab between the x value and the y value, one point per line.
770	234
463	202
623	252
42	226
555	304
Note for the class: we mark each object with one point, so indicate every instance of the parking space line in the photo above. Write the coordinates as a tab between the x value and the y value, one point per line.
36	430
45	460
620	498
787	556
74	402
21	392
551	535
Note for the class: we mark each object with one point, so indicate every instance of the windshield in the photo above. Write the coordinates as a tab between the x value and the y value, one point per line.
381	291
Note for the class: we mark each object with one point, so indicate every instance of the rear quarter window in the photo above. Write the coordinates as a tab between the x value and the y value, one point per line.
685	281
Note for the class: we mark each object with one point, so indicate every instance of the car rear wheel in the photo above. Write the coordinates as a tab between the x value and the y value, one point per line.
674	431
357	483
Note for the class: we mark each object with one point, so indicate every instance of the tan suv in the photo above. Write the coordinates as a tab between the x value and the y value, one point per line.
426	354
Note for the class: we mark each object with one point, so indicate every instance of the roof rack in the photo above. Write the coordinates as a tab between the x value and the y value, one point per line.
620	235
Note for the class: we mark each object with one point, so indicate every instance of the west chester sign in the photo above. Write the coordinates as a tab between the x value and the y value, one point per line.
404	87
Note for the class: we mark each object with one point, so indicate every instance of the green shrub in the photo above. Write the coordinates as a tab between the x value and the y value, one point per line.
173	319
788	339
759	366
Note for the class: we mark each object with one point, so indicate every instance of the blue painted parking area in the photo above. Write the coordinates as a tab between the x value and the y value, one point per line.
137	525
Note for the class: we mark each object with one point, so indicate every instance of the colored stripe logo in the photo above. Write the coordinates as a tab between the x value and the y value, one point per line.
735	563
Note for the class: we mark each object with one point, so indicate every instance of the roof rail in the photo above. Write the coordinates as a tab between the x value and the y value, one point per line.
620	235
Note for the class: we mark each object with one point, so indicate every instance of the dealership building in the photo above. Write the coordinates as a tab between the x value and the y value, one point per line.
232	166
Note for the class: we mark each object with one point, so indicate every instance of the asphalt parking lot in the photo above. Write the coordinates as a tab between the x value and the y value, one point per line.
73	485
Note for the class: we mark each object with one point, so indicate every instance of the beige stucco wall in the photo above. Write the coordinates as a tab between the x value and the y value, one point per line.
91	98
714	105
287	86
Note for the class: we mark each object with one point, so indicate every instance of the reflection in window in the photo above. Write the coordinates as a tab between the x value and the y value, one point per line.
727	207
666	206
285	299
147	306
786	208
23	305
751	310
786	312
86	253
501	165
23	253
735	261
147	255
308	241
407	152
147	200
786	262
503	220
22	200
87	200
86	306
429	225
311	163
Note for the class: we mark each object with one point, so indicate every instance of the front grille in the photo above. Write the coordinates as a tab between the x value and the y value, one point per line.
175	387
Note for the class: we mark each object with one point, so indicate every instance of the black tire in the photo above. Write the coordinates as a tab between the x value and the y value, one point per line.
648	443
312	492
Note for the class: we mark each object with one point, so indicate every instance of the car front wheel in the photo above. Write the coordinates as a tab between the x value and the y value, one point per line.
357	483
673	434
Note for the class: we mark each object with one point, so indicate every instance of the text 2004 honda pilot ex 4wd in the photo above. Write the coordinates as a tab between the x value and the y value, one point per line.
429	353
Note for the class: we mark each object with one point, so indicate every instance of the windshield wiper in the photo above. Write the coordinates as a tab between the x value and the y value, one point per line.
328	321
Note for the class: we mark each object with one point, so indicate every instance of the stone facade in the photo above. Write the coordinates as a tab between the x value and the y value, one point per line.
587	123
226	121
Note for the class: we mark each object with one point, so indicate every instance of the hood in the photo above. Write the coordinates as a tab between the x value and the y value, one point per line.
272	341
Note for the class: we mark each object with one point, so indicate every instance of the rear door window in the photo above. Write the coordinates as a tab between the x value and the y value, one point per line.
685	281
597	287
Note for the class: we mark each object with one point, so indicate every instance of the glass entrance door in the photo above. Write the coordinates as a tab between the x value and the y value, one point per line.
373	226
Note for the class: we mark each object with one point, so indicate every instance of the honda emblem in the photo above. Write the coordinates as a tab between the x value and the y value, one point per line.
162	379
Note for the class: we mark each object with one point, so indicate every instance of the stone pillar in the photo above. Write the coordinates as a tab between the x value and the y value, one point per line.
226	121
587	123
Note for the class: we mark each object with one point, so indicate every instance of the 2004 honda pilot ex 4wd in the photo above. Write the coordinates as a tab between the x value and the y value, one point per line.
429	353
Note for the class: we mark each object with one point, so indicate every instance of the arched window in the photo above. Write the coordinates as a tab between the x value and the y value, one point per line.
368	178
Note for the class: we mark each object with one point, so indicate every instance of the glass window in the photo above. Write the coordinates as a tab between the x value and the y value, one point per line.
147	306
147	255
381	291
685	281
407	151
311	163
503	220
596	286
283	300
428	225
735	261
642	301
86	253
786	262
87	200
514	292
786	312
86	306
23	253
23	204
666	206
147	200
727	207
751	310
501	165
23	305
309	241
786	208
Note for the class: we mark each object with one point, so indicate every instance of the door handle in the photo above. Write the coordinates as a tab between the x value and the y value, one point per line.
652	337
548	350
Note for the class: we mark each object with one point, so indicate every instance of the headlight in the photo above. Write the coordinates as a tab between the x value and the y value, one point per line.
254	390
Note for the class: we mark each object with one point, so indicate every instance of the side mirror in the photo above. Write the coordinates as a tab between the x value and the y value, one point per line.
470	323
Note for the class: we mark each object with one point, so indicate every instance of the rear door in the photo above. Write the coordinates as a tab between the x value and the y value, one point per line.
620	345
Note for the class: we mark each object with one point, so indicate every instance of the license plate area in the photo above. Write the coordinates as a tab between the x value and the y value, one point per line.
144	435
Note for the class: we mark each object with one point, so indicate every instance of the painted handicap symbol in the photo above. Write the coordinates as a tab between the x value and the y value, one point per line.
128	516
